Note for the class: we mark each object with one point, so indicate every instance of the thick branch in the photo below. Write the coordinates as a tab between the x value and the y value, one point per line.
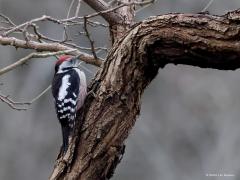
192	39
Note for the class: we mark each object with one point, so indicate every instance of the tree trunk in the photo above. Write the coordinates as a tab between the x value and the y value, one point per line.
108	116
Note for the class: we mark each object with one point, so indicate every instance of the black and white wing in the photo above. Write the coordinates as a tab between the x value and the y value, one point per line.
65	89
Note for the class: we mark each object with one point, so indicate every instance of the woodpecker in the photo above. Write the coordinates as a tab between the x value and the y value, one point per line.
69	89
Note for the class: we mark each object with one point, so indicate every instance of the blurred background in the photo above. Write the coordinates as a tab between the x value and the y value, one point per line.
189	123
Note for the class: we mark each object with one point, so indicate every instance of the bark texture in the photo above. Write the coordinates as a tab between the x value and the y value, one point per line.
193	39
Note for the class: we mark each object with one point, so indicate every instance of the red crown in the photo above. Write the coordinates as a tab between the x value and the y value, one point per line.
63	58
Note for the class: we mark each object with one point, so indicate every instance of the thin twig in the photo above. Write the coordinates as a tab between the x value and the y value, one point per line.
84	48
44	17
12	104
207	6
70	8
8	20
16	105
78	8
104	48
144	6
40	94
28	57
65	36
63	21
96	23
89	38
108	10
90	22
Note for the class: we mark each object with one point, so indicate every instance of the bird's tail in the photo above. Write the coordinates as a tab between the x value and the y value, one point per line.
65	133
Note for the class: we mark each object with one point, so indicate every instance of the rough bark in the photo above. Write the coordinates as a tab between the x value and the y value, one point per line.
193	39
127	13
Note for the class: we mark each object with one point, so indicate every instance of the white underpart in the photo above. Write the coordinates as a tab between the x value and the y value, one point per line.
83	88
63	89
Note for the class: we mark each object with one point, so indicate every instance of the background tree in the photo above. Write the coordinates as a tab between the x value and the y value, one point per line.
138	51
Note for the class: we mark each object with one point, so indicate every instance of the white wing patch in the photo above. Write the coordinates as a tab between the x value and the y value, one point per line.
69	100
63	89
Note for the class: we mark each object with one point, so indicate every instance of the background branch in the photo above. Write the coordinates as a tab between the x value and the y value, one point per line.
78	8
16	105
32	55
13	104
12	41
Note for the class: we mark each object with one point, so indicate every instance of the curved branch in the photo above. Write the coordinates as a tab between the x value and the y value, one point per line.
192	39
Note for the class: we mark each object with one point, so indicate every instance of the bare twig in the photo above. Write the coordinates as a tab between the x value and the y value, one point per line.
30	39
70	8
10	22
104	48
4	29
98	13
104	10
44	17
32	55
13	104
22	105
40	94
64	21
144	6
39	36
90	22
52	47
78	8
95	23
100	5
65	36
207	6
84	48
89	38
